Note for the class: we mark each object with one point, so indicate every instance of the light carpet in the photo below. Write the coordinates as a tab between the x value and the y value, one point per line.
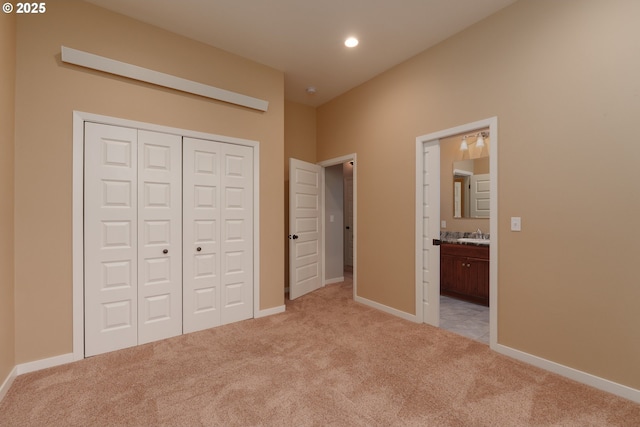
326	361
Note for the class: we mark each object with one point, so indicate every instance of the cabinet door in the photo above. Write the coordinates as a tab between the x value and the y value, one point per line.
479	278
448	272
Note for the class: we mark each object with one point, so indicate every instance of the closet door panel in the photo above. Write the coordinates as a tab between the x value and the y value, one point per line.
110	238
201	236
237	233
159	236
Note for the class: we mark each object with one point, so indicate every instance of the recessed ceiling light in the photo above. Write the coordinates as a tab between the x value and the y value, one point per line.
351	42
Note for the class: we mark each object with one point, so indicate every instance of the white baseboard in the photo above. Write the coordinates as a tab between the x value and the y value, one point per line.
270	311
574	374
332	281
387	309
50	362
4	388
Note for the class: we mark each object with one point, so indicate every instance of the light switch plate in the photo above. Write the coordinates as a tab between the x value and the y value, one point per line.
516	223
443	224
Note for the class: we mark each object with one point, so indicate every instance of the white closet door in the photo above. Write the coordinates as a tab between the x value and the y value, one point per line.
236	218
201	235
159	236
110	238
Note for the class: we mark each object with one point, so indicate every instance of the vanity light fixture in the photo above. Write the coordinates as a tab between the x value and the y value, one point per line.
480	136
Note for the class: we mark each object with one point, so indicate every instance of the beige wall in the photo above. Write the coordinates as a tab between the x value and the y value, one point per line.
562	78
47	91
450	153
7	105
299	143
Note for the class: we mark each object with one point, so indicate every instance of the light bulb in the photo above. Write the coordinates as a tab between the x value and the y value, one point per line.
351	42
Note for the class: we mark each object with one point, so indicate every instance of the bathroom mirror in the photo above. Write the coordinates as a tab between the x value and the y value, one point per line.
471	188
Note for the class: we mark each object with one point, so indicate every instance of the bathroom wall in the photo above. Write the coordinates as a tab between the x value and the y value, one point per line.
562	78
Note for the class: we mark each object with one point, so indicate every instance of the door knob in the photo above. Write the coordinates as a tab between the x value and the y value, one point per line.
293	236
166	251
198	249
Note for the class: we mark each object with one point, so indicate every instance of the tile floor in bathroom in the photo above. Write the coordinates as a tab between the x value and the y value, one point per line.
465	318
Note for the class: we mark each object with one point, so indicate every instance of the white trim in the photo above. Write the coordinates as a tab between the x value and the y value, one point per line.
334	280
390	310
462	172
123	69
492	124
6	385
332	162
568	372
41	364
270	311
79	118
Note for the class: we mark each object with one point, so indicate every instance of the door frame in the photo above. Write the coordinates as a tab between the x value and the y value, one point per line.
332	162
434	138
79	119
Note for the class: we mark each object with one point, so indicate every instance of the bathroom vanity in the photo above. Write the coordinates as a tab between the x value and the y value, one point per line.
464	272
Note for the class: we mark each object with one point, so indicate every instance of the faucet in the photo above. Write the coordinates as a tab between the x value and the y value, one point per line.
479	234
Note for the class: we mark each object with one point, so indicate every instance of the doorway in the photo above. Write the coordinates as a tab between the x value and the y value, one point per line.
340	253
317	224
428	224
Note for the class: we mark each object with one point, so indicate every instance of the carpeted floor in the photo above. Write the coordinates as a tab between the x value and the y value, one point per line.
326	361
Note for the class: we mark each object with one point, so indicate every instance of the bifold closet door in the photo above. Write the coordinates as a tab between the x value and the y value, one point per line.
159	236
218	233
110	238
132	237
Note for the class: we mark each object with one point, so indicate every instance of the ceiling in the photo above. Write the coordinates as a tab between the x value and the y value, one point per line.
304	38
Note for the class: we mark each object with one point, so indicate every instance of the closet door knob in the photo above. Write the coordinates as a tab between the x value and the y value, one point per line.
198	249
166	251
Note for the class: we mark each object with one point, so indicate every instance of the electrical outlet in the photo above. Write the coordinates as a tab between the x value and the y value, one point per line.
516	223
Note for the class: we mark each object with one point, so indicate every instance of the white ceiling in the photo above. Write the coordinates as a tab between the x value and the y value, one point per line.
304	38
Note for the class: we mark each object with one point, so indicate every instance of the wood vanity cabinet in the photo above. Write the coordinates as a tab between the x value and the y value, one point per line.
464	272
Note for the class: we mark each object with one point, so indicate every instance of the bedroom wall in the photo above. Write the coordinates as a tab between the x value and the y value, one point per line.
47	92
7	106
562	78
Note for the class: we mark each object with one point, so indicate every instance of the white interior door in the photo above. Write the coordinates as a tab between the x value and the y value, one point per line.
201	235
110	238
305	227
431	230
480	195
159	236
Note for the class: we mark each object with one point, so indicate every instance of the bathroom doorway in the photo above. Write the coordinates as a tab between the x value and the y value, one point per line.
464	212
429	225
